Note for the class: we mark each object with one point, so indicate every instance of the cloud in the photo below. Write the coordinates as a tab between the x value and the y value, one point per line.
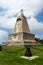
30	7
10	10
35	26
7	23
3	36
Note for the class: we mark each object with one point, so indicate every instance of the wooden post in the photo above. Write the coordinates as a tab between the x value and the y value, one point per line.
0	48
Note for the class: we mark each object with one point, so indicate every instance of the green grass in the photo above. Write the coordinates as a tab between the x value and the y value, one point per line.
11	55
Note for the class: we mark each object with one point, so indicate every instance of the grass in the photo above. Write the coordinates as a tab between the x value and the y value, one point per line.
11	55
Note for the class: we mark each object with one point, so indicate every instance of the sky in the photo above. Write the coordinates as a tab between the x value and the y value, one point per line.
10	9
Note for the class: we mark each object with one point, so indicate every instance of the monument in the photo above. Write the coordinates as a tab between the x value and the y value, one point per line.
21	35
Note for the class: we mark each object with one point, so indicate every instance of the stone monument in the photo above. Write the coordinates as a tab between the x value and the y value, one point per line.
21	35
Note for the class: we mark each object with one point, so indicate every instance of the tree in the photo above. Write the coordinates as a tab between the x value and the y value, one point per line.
39	40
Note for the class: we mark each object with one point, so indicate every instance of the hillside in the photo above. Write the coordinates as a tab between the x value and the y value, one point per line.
11	56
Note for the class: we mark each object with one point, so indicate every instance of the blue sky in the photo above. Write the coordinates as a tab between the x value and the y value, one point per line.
39	16
10	9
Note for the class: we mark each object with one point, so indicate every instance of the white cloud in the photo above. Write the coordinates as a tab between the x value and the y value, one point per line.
31	7
3	36
7	23
35	26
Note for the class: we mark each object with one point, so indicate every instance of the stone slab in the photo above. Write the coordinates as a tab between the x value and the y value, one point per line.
30	58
